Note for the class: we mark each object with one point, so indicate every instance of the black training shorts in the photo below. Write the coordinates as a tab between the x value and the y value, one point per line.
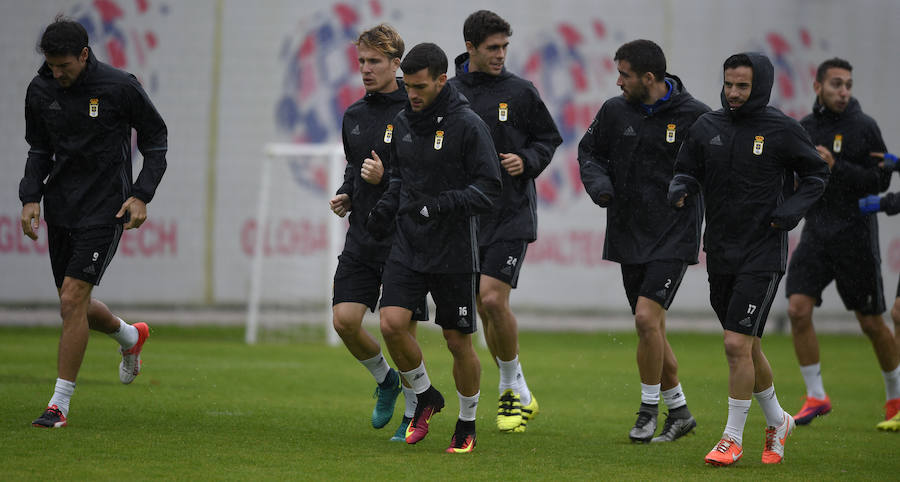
356	281
82	253
656	280
503	260
453	294
742	301
855	269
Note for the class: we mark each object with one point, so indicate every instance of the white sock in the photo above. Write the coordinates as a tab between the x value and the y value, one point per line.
62	393
812	375
468	406
522	387
377	366
508	371
126	335
737	417
417	378
650	394
411	401
892	383
768	400
674	397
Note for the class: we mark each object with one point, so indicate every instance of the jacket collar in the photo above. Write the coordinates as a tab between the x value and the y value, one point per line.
819	110
471	78
397	95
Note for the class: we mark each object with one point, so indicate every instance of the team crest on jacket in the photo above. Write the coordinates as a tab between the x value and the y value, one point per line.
838	141
758	145
388	133
438	140
94	110
670	133
503	112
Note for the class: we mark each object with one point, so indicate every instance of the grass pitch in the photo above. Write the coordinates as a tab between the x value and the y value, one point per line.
208	406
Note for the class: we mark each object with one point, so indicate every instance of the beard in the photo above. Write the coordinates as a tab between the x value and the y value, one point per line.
638	94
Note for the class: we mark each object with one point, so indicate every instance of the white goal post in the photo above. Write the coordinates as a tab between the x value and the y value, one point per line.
332	156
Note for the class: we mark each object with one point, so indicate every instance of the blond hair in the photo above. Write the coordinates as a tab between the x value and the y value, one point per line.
384	39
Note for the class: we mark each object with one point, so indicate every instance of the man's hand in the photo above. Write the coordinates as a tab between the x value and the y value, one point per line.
677	195
137	212
513	164
340	204
889	162
379	224
31	219
425	209
372	169
870	204
826	156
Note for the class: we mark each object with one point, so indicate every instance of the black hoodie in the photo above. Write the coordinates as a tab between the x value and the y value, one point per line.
627	155
521	124
366	127
743	161
850	136
444	153
80	138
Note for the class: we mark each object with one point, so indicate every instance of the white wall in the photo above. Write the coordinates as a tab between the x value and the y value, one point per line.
165	262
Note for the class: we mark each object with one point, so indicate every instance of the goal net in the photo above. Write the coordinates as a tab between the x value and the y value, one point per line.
296	241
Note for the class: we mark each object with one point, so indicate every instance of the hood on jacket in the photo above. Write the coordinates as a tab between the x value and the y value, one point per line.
448	100
763	80
470	78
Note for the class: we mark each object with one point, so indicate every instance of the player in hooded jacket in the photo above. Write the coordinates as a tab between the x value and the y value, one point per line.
838	242
741	161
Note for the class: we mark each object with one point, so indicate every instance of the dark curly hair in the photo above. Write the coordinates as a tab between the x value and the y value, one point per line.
63	37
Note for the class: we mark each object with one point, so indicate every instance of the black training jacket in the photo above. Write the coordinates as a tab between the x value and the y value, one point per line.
850	136
445	153
520	124
743	161
80	137
628	154
367	126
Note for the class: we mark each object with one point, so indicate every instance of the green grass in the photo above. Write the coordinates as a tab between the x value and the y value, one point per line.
209	407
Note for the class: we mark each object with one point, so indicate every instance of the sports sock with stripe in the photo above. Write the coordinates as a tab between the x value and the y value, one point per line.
417	378
468	406
674	397
377	366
